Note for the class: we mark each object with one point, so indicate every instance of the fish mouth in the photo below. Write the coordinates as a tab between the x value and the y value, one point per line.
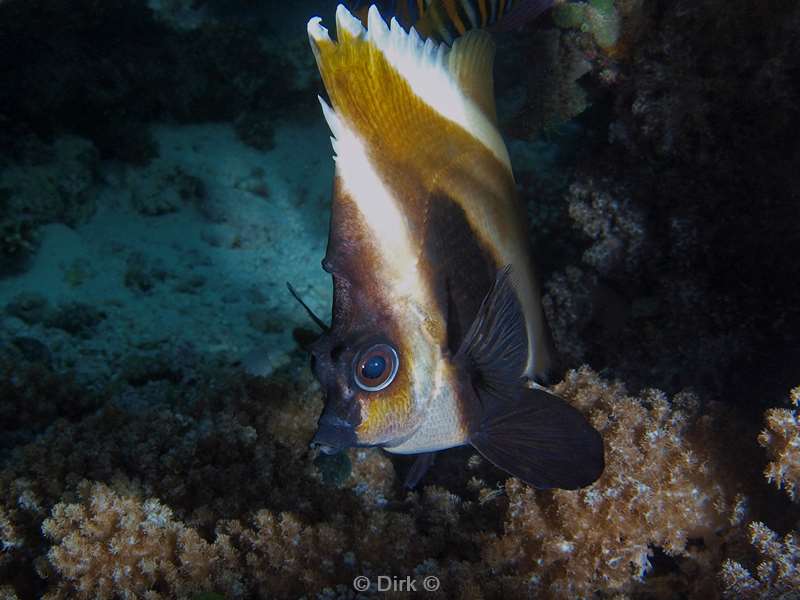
333	435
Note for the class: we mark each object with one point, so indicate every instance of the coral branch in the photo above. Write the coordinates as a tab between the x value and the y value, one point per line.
778	572
781	438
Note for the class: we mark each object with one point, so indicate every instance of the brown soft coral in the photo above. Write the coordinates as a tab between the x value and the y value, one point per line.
612	221
781	438
282	544
777	565
115	545
777	574
665	484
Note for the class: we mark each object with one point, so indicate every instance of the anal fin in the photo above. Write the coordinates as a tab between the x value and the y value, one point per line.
417	471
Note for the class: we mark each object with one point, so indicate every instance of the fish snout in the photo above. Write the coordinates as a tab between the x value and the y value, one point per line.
334	433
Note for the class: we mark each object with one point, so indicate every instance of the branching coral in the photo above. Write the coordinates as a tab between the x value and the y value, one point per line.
781	438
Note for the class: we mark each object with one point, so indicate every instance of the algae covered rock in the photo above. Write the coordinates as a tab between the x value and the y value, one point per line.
56	188
599	18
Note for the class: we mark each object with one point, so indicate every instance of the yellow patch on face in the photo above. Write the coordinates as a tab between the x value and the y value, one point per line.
388	413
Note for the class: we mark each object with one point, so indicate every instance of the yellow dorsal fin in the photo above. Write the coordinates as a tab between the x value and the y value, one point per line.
471	62
388	84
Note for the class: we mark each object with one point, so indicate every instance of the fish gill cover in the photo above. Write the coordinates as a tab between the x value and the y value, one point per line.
164	170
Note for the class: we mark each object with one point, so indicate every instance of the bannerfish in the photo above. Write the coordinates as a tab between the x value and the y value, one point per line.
445	20
437	331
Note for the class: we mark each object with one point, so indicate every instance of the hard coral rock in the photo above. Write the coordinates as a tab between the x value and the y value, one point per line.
19	241
76	318
30	307
58	187
161	188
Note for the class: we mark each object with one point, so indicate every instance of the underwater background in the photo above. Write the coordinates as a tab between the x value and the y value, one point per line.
164	171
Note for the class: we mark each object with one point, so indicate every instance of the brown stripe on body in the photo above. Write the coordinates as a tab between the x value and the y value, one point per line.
461	269
363	313
351	256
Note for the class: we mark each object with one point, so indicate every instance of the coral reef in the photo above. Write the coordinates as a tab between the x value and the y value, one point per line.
680	155
161	494
161	189
18	243
76	318
30	307
143	273
50	183
777	559
667	485
34	395
616	228
550	94
54	183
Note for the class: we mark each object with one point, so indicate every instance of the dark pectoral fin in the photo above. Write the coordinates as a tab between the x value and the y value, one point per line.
418	469
532	434
539	438
495	349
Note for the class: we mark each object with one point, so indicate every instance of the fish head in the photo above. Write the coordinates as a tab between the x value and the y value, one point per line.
375	367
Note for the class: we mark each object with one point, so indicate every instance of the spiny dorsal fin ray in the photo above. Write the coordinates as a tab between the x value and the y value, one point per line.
390	85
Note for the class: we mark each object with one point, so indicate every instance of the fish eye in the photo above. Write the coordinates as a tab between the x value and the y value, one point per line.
376	367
